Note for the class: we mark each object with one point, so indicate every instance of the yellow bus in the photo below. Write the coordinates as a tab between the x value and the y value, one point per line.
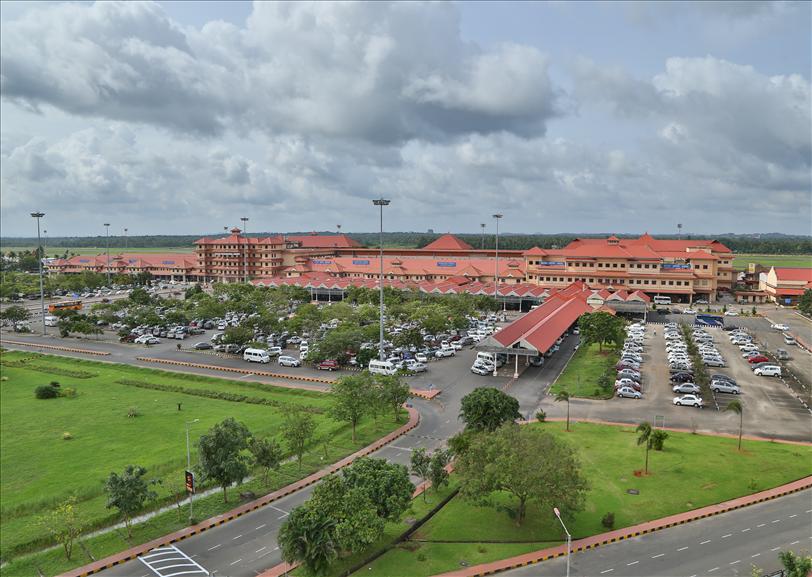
65	306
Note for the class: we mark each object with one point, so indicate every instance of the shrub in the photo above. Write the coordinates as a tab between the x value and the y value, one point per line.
45	392
133	412
421	557
658	437
54	384
541	416
608	520
68	392
66	436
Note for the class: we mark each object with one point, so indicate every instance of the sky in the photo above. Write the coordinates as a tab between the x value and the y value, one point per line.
183	117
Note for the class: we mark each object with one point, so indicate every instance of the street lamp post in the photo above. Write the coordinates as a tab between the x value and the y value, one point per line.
107	248
381	202
498	217
244	220
126	243
39	215
189	467
45	247
569	537
482	224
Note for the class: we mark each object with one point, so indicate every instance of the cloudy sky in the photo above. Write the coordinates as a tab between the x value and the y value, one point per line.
179	118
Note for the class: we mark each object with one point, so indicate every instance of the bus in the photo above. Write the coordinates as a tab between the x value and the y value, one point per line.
65	306
658	300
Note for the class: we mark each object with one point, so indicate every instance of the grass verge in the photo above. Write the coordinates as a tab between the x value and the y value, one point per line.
580	377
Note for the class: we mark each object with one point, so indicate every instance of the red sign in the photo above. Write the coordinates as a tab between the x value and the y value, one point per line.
190	482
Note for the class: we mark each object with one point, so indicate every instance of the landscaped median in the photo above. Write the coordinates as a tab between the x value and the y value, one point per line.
120	415
55	347
581	376
694	476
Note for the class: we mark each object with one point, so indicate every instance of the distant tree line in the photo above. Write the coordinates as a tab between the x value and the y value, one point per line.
761	244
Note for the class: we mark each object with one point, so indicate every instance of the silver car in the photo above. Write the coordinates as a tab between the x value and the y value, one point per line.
724	387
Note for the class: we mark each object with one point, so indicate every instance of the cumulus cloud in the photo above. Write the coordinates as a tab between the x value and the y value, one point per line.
376	71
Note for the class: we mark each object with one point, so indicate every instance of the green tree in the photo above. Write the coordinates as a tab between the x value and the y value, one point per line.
602	328
358	524
238	335
297	430
364	356
139	296
64	524
421	466
528	463
736	407
267	454
644	438
128	493
387	485
308	536
15	314
408	338
438	475
487	408
222	453
805	302
564	396
351	397
795	565
393	392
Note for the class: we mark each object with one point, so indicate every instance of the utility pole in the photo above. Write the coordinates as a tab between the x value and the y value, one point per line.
381	202
126	245
107	248
244	220
189	468
569	538
498	217
39	215
483	235
679	231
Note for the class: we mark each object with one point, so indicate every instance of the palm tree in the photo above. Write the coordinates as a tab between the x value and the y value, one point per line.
644	429
564	396
735	406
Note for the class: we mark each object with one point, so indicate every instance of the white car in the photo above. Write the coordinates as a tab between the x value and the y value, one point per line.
625	382
688	311
779	327
731	314
287	361
440	353
480	370
628	392
274	351
688	400
421	358
148	340
415	367
686	388
768	371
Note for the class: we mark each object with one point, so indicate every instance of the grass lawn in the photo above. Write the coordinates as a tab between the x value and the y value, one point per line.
692	471
580	377
40	469
741	261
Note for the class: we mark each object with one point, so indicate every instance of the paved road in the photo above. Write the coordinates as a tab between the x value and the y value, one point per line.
719	546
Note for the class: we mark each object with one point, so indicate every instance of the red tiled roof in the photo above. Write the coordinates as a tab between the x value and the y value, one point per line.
448	242
793	274
324	241
790	292
535	251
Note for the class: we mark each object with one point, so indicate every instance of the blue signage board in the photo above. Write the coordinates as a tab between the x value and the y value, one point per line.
322	262
363	262
167	262
787	301
84	260
676	266
447	264
550	263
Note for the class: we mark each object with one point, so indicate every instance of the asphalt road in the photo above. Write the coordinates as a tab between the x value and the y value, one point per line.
718	546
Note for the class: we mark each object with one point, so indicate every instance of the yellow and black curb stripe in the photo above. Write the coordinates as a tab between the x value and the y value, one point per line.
236	370
414	420
56	348
546	555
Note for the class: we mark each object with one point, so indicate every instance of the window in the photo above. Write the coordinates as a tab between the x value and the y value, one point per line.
614	265
705	267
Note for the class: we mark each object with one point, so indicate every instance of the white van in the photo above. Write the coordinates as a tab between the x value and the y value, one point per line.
487	357
256	356
51	320
768	371
382	368
658	300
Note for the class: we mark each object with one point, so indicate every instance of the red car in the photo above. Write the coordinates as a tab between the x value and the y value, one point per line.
758	359
328	365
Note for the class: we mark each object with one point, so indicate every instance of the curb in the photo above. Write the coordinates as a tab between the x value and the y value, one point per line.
56	348
630	532
132	553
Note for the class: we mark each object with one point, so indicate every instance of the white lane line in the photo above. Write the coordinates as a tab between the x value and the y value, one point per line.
263	555
736	561
237	537
703	542
808	511
794	542
215	547
282	516
260	527
726	536
756	555
775	521
277	509
745	530
632	563
712	570
792	516
260	550
656	556
235	562
682	549
401	448
775	549
761	524
607	571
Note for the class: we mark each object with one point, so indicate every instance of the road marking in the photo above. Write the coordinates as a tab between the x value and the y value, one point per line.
682	549
261	526
756	555
401	448
791	516
775	549
259	550
263	555
237	537
277	509
761	524
632	563
235	562
745	530
712	570
809	510
736	561
776	521
282	516
726	536
607	571
215	547
703	542
794	542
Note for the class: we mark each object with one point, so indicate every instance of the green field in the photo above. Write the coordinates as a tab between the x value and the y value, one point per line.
93	250
693	471
580	377
740	261
39	468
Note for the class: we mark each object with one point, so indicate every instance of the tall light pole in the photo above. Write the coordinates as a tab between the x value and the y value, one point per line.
45	248
107	248
498	217
126	244
39	215
189	468
244	220
381	202
483	235
679	231
569	537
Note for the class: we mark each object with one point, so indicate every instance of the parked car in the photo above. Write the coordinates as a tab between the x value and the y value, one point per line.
202	346
790	340
626	382
629	374
421	358
731	314
686	388
688	400
682	377
629	393
722	377
758	359
327	365
768	371
274	351
724	387
714	362
779	327
288	361
480	370
447	352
